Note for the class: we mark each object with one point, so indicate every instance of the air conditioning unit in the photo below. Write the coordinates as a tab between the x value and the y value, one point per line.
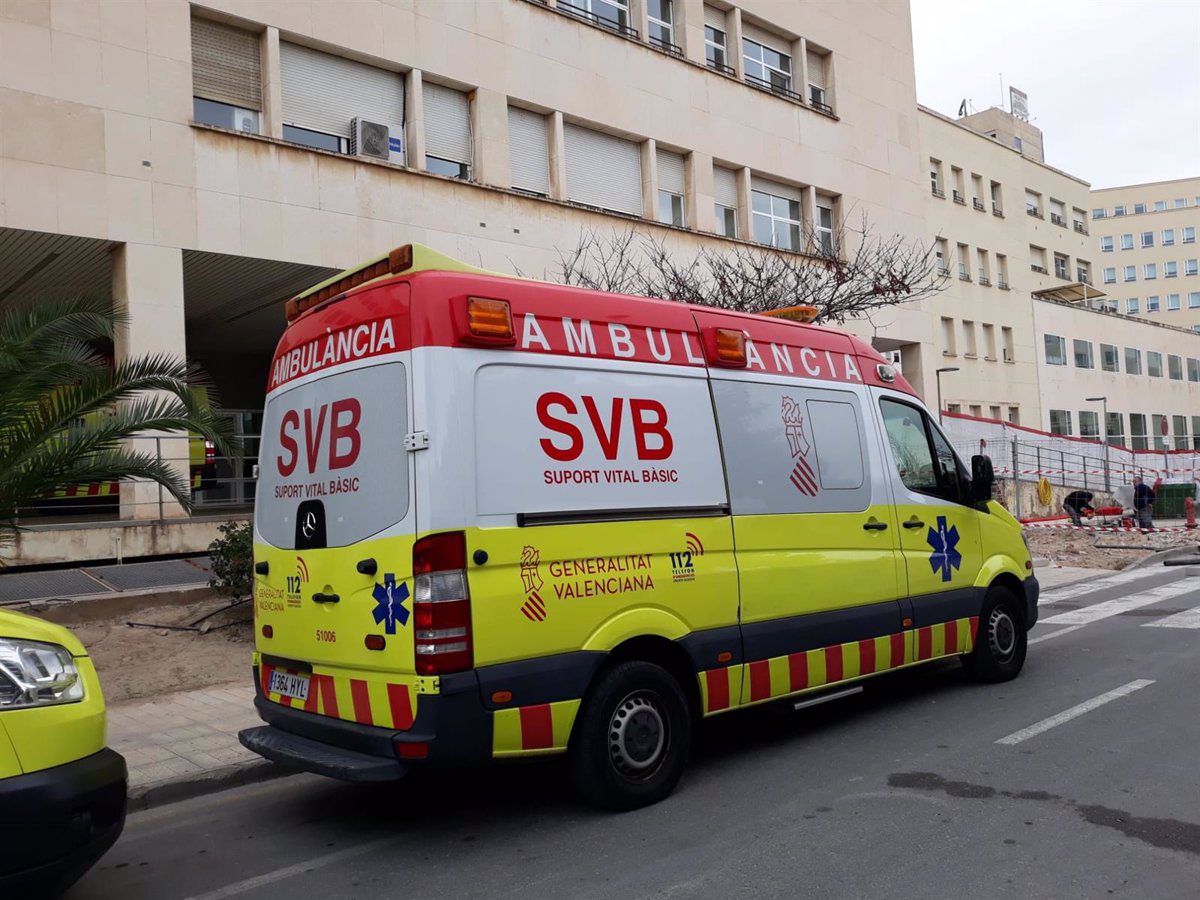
245	120
377	141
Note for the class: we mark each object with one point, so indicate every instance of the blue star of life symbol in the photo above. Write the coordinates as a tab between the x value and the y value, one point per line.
944	542
389	603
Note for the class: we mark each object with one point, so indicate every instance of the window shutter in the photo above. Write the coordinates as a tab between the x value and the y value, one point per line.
226	65
326	93
529	154
725	186
816	69
603	170
447	124
714	18
776	189
670	171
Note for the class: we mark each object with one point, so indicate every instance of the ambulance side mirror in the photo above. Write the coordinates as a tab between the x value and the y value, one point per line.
983	478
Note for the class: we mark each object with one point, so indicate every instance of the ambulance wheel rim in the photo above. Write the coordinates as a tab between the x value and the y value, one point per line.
1002	634
637	735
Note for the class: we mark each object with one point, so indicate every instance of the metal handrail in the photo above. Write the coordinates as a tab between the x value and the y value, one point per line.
977	203
722	68
821	107
764	85
664	45
586	15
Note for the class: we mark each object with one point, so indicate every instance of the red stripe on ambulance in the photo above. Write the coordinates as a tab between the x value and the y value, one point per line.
537	727
401	705
362	702
760	680
717	681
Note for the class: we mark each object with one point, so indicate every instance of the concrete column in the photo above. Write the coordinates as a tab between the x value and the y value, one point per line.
557	156
698	182
734	43
800	67
637	17
414	126
650	179
272	93
689	28
745	208
830	83
808	215
148	288
489	135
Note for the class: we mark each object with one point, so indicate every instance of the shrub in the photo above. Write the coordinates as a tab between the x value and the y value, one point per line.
232	557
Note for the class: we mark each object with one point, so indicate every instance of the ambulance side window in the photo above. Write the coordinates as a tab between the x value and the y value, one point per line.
924	460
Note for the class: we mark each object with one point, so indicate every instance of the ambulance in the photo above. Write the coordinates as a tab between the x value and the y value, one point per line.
500	519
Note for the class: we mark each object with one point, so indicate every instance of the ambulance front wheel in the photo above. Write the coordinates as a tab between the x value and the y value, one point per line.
632	737
1000	640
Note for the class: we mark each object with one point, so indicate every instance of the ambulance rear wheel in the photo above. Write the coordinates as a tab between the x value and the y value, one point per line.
1000	640
632	737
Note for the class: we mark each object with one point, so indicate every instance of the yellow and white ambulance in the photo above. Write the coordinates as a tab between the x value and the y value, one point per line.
499	518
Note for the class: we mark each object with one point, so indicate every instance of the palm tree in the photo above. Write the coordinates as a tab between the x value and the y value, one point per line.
67	412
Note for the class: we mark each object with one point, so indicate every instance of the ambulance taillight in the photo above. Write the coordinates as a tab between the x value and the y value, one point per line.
442	604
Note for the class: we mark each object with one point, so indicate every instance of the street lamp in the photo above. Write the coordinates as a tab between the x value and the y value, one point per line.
1104	437
938	373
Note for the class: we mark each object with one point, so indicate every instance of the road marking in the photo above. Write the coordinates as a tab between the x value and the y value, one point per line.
1054	634
1074	712
1109	608
316	862
1189	618
1080	588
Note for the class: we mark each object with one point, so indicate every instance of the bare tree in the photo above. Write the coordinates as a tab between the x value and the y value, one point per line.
858	273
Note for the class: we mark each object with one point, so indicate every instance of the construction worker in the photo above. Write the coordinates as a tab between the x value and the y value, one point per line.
1143	502
1078	503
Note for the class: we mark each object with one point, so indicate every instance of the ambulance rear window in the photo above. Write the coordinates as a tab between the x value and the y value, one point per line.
332	468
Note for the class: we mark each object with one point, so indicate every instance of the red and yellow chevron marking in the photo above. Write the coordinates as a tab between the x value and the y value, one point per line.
92	489
769	679
533	730
366	701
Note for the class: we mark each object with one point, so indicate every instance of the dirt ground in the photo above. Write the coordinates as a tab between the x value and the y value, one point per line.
1065	547
144	662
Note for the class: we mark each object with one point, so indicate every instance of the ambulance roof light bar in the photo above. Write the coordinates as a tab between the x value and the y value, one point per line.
794	313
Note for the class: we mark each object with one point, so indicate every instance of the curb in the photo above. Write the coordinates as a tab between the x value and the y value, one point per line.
161	793
1160	556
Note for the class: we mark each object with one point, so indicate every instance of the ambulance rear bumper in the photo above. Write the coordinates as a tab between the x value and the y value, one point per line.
295	752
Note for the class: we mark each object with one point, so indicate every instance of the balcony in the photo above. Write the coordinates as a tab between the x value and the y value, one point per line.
963	276
763	85
1041	270
977	203
1056	219
664	45
586	15
721	67
943	270
984	280
821	106
997	211
1002	284
1033	211
959	198
1080	228
938	192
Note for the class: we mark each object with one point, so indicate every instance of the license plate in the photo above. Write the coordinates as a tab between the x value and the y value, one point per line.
289	685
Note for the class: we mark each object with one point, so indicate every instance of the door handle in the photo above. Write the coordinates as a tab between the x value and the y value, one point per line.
914	523
875	526
325	598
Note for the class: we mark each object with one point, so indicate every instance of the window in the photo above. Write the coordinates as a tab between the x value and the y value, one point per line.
226	76
603	170
1196	429
1099	213
1150	271
1131	273
1170	269
1056	350
825	242
1158	426
528	151
1133	361
1127	242
1147	239
776	210
1193	369
1033	203
716	49
448	142
1006	335
1114	427
1014	415
1118	210
1083	271
994	412
1060	421
1152	303
1189	234
956	177
766	66
1179	426
1131	305
612	14
670	188
1083	354
1110	275
1168	237
1160	205
1002	271
817	83
968	331
948	346
1180	202
1194	300
964	271
1062	266
935	178
1017	143
1037	259
1137	430
1106	244
725	195
323	94
939	252
997	206
1174	367
989	341
1089	424
1139	208
977	410
1189	267
1110	360
1154	364
1172	301
924	460
660	24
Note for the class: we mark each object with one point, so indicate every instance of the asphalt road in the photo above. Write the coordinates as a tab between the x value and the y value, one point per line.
1079	779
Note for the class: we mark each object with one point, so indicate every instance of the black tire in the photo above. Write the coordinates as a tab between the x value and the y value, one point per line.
632	738
1001	639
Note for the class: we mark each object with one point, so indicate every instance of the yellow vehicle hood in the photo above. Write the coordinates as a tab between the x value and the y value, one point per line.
19	625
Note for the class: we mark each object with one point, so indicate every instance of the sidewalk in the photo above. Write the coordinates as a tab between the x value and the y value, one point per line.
185	744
